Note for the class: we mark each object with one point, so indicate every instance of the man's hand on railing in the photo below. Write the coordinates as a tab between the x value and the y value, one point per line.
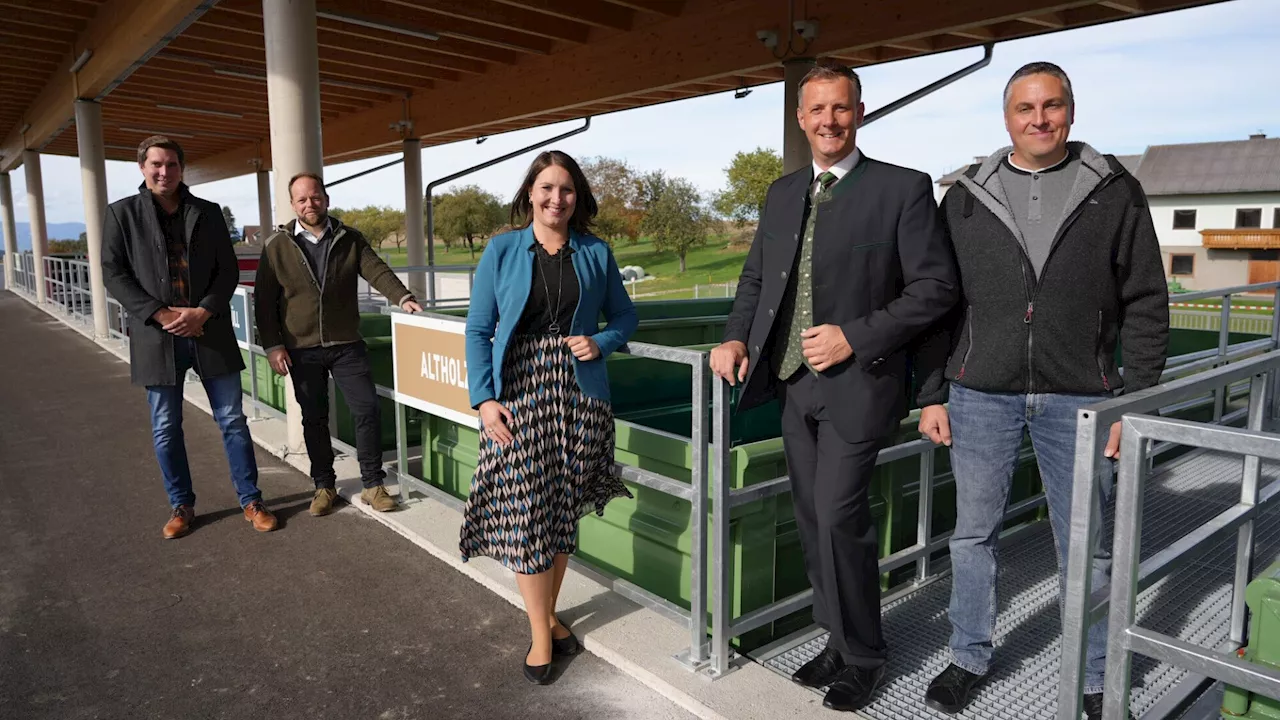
935	424
410	305
494	420
186	321
279	361
729	361
1113	443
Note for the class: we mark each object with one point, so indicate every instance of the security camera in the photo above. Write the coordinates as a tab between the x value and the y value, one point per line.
807	29
768	37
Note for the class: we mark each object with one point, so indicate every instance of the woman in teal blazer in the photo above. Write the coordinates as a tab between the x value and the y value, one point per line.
536	371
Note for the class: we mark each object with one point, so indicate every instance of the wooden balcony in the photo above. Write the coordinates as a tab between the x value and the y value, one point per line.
1246	239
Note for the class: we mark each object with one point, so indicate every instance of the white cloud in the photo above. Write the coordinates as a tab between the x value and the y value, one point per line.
1186	76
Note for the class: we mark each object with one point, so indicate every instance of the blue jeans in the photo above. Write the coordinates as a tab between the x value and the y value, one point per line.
987	431
166	431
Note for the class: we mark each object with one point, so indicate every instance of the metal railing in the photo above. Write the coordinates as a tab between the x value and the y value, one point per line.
1084	605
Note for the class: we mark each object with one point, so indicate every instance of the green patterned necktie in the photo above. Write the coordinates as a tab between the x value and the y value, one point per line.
826	180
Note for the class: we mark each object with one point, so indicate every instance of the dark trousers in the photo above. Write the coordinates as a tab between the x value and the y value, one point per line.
829	482
349	365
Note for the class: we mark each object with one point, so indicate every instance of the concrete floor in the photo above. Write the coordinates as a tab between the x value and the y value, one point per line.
325	618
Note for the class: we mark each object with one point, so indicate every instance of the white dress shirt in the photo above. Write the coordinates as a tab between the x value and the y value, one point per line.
840	169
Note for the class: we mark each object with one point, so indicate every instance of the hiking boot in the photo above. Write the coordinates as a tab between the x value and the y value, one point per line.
950	690
377	498
258	514
180	522
322	503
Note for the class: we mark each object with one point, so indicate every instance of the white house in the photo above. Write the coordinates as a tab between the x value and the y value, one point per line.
1216	209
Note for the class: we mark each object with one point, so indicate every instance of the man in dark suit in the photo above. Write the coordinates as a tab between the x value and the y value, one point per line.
849	264
167	258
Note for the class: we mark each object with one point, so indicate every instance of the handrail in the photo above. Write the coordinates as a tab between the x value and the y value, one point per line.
1082	603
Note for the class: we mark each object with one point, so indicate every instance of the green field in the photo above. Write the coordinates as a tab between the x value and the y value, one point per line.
710	264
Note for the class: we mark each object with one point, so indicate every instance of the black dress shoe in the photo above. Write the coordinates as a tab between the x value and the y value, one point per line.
820	671
1093	707
536	674
949	692
565	646
854	688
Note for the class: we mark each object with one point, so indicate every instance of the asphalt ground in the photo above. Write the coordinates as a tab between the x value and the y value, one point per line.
333	617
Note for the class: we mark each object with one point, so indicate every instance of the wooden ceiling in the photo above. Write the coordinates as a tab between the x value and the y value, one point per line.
494	65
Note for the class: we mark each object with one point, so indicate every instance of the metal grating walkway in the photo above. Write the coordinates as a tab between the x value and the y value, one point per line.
1192	603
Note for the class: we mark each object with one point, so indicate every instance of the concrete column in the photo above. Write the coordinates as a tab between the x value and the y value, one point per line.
93	176
265	223
10	230
414	240
795	146
293	103
35	212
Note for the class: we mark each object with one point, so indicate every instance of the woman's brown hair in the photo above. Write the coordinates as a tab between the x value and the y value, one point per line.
585	207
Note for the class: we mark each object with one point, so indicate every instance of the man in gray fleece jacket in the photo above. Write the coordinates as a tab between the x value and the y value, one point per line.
1059	265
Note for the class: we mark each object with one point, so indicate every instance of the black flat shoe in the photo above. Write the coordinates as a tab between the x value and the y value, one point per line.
854	689
565	646
820	671
950	691
536	674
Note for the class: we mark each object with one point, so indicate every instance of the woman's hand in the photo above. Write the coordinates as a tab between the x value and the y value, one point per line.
583	347
495	420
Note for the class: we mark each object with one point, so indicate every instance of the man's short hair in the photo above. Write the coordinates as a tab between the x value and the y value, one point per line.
160	141
829	71
1041	68
319	181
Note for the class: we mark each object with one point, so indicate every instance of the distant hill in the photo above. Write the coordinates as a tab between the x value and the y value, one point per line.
57	231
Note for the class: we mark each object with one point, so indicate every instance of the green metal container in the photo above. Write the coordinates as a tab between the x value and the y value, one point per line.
1263	599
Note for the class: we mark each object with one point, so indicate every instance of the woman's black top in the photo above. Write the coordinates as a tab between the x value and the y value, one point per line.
553	296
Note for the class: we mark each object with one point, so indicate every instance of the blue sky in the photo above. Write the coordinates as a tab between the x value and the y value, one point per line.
1189	76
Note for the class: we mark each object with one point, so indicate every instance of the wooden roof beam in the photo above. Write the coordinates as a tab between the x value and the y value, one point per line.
1054	20
670	8
73	12
981	33
1132	7
122	32
914	45
591	12
497	15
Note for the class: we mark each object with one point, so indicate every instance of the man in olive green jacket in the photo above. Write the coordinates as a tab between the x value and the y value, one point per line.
308	320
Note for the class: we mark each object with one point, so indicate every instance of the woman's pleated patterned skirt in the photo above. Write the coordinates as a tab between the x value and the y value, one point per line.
526	498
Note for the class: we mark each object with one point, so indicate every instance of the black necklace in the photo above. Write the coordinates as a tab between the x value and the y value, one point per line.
555	309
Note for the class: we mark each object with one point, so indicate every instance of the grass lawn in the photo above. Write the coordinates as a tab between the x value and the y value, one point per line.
712	263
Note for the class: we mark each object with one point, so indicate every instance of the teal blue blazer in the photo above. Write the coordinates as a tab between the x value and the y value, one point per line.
501	288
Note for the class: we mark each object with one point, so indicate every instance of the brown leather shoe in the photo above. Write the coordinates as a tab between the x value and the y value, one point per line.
258	514
180	523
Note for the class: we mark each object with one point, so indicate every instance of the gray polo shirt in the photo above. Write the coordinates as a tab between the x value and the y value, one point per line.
1037	200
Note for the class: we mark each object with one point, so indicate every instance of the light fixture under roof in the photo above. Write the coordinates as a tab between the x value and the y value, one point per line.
199	111
166	133
377	25
741	93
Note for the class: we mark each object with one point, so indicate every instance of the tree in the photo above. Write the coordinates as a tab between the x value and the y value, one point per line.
69	247
750	174
375	223
232	225
613	183
649	187
675	220
468	213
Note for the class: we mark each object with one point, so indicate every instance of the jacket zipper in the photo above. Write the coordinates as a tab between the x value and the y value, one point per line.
968	350
1102	370
311	273
195	349
1035	290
